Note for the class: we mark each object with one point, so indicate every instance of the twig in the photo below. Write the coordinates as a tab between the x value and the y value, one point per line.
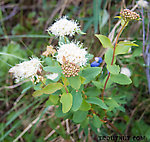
18	99
133	112
143	25
53	131
116	129
28	127
13	86
13	13
147	108
67	126
63	8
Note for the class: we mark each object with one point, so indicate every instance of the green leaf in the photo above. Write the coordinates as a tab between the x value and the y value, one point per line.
105	41
53	99
96	121
59	112
109	56
82	79
123	47
37	93
98	84
111	103
96	11
113	69
79	116
121	79
118	17
92	91
51	88
137	52
85	122
56	69
63	40
97	101
49	61
85	106
104	18
130	43
81	32
75	82
90	73
89	56
148	134
66	100
77	100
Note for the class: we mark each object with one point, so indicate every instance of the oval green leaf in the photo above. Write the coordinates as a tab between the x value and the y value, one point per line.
121	79
105	41
79	116
51	88
77	100
113	69
97	101
75	82
66	100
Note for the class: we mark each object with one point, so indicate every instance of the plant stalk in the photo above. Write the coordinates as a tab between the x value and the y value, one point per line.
118	35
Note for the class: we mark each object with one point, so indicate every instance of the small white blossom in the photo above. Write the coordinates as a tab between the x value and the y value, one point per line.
26	69
125	71
143	3
72	53
64	27
52	76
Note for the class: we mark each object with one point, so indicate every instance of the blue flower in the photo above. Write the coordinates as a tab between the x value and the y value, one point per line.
107	72
95	64
98	59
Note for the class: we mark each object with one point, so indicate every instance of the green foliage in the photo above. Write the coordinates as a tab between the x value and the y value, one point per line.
109	56
52	69
66	100
92	91
90	73
49	89
105	41
79	116
96	121
113	69
97	101
121	79
9	55
123	47
53	100
75	82
77	100
85	106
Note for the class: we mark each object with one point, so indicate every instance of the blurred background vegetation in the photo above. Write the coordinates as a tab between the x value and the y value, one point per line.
23	25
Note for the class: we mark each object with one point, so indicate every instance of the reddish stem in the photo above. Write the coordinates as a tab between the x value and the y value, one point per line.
102	95
66	89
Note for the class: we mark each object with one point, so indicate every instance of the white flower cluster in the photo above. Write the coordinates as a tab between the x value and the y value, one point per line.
72	53
125	71
64	27
26	69
143	3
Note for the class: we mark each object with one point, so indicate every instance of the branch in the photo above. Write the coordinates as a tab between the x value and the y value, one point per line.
13	86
